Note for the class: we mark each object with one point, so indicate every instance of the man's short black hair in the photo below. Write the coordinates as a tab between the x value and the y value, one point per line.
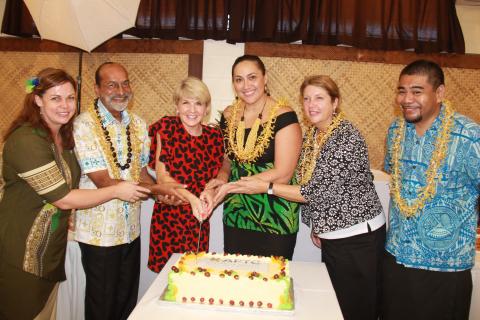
428	68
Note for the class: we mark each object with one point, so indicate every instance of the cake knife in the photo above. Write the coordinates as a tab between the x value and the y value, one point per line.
199	236
198	242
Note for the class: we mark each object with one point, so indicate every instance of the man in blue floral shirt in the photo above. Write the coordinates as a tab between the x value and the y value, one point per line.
433	156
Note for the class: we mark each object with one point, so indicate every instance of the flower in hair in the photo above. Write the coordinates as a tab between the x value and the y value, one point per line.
31	83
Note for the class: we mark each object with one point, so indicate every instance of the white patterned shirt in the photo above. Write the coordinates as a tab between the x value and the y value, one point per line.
114	222
341	193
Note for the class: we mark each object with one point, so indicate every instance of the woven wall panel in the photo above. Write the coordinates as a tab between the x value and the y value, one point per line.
368	92
463	91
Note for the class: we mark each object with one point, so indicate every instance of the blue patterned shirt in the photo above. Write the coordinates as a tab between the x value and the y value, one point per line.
441	237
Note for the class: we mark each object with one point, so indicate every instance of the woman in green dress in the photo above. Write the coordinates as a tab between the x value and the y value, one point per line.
262	139
40	173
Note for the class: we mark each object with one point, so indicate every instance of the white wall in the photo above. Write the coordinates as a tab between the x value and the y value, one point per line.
2	11
218	57
469	17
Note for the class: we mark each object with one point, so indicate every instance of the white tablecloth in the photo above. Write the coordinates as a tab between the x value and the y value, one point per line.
313	291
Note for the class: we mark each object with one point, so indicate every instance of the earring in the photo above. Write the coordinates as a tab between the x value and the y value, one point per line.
236	97
266	90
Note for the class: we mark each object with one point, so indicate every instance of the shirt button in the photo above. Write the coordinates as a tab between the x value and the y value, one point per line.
414	167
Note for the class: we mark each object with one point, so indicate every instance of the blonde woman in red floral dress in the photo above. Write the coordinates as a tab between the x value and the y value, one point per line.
184	150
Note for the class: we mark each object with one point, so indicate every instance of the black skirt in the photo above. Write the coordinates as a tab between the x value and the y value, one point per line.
258	243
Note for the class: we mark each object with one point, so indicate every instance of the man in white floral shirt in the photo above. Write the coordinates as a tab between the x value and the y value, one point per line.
112	145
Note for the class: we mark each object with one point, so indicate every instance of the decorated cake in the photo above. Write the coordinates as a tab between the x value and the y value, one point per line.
231	280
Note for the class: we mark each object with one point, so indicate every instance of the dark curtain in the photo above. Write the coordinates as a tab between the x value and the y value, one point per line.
172	19
424	26
17	20
269	21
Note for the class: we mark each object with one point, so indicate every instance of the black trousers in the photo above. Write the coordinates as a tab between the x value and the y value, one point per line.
412	294
258	243
354	265
112	275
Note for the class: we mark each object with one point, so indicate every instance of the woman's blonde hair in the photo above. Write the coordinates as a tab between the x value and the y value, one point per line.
194	88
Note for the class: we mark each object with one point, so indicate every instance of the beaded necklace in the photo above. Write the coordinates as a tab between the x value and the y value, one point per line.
109	150
255	145
433	171
312	145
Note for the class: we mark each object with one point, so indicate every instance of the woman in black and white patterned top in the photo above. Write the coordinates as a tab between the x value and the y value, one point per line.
338	199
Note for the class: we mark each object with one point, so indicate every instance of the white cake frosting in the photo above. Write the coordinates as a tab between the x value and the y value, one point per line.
232	280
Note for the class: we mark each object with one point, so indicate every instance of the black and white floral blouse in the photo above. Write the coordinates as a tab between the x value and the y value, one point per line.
341	192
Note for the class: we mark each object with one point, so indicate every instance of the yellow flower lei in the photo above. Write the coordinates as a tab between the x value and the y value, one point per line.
135	165
312	145
255	145
432	174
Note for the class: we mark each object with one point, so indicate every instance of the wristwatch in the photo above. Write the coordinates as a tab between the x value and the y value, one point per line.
270	188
